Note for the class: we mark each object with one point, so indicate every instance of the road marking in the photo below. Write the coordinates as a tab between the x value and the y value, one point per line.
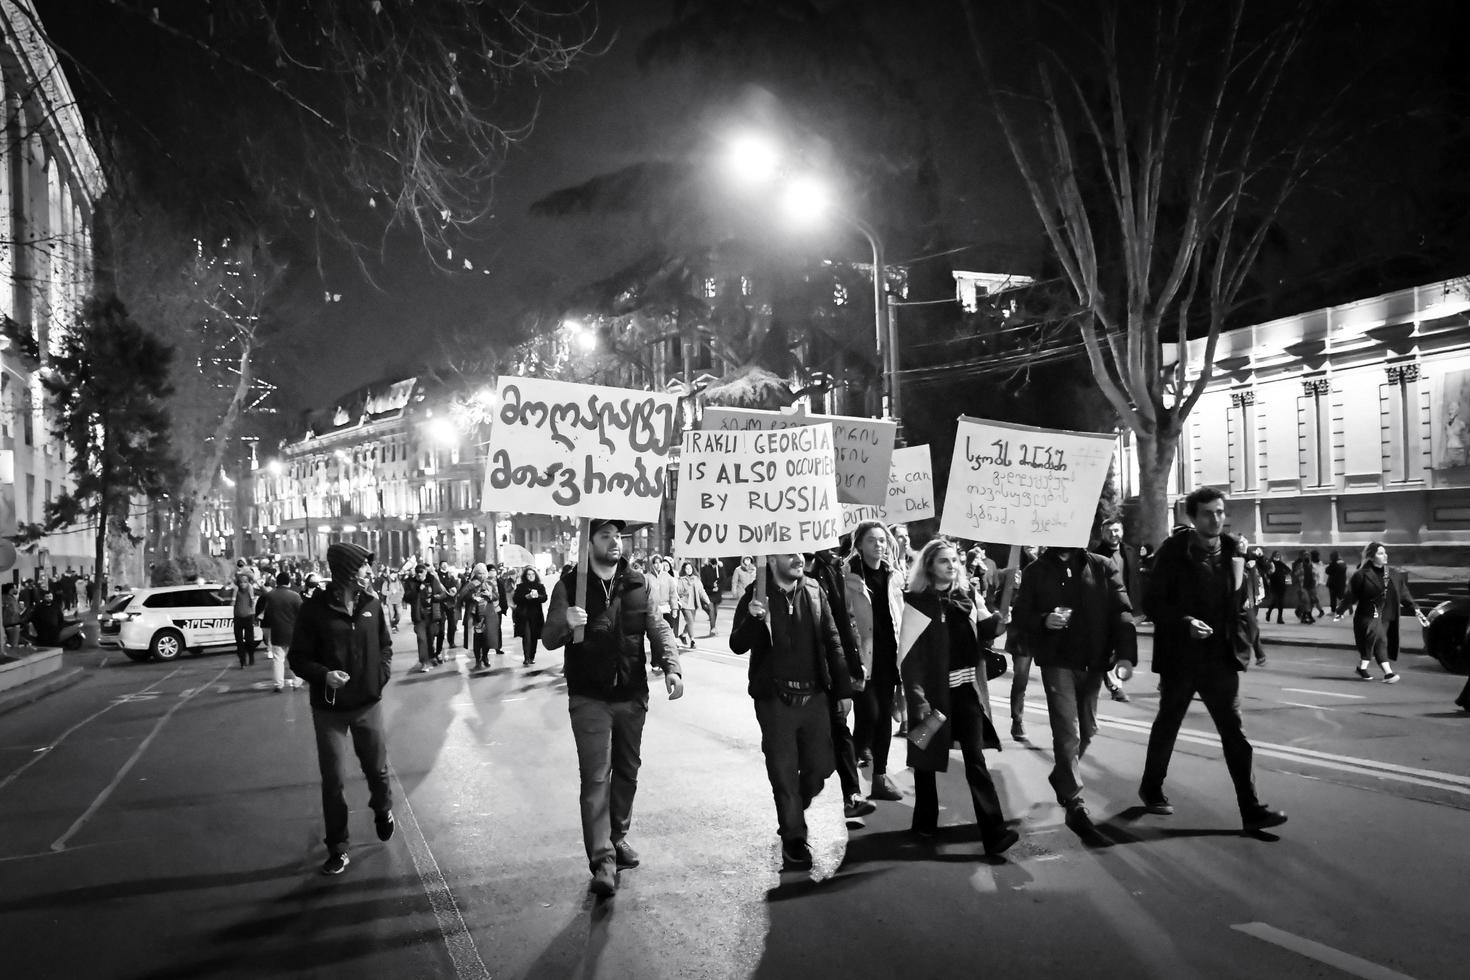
1335	958
457	938
85	721
1325	694
60	843
1314	707
1327	760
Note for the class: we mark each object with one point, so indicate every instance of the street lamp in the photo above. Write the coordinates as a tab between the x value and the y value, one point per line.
805	200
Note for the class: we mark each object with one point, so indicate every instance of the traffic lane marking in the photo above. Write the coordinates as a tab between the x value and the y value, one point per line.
1275	750
59	844
1337	959
1299	704
1325	694
45	750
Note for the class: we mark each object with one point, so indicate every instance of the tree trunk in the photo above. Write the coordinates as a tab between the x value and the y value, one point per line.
190	523
1155	463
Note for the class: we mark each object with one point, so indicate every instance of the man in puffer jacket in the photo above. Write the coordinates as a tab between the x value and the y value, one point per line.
343	649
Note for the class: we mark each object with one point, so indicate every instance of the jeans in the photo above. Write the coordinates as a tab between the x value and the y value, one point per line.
875	719
245	639
1071	703
424	631
797	744
1020	678
280	670
967	726
333	728
609	736
845	753
1218	686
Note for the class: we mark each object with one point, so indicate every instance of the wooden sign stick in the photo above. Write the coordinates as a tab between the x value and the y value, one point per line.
760	588
583	549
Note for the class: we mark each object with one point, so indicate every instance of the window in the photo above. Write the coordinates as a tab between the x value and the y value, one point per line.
30	496
839	294
711	288
28	410
745	287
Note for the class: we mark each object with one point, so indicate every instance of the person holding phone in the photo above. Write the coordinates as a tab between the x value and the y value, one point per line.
1196	598
342	647
1074	611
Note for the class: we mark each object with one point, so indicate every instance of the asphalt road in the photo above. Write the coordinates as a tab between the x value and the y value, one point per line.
163	821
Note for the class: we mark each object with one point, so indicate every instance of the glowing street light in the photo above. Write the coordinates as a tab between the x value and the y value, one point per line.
806	200
753	158
442	431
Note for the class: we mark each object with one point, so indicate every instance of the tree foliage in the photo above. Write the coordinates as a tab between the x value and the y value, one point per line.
108	382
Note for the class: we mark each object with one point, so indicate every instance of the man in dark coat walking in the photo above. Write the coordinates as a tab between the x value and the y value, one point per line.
825	568
343	648
797	669
1196	598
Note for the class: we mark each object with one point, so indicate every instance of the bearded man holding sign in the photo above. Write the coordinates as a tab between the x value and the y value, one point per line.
607	681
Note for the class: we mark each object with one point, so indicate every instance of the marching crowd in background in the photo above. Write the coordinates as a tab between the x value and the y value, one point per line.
847	649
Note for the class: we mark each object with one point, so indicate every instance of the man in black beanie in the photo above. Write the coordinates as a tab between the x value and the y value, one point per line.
343	648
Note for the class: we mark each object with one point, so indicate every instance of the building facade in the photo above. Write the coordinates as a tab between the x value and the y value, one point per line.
50	181
1341	426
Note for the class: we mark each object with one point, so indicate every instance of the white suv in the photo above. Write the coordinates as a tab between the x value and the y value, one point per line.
163	623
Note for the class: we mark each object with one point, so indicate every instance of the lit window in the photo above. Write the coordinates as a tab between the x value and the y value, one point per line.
711	289
745	288
839	294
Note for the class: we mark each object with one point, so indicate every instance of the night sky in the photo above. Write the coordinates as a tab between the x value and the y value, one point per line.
606	112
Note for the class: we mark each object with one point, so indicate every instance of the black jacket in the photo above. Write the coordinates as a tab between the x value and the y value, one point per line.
280	608
753	636
1176	592
610	663
328	638
1101	629
830	576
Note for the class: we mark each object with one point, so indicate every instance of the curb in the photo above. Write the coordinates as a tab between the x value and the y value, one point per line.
35	690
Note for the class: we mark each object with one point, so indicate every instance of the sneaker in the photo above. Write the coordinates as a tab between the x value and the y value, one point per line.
1078	819
1261	662
1390	678
296	683
336	863
1001	843
1260	817
1363	674
884	789
795	855
385	824
856	807
626	856
1018	731
604	880
1156	803
1121	695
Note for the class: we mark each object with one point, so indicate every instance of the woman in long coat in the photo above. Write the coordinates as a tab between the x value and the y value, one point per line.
691	600
944	678
530	614
743	577
1376	594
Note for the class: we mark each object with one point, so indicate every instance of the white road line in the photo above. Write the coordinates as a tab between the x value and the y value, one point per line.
457	938
85	721
60	843
1346	962
1341	763
1325	694
1314	707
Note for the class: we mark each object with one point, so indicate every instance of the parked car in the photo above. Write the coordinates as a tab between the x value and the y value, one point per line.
1444	637
165	622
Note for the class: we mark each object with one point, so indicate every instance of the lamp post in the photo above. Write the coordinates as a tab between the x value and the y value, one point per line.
806	198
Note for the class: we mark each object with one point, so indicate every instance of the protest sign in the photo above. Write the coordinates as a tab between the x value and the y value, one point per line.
1013	484
910	486
575	450
756	493
864	446
855	514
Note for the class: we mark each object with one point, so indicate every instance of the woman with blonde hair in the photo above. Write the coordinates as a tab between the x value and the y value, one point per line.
944	682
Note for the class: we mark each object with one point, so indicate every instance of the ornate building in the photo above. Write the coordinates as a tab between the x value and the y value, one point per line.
1343	425
50	181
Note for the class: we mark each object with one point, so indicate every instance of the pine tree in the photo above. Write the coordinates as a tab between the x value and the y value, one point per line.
107	384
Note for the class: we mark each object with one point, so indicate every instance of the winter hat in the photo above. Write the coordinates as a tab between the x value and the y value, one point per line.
345	558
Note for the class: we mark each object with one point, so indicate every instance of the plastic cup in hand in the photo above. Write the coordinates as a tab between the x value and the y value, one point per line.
1123	670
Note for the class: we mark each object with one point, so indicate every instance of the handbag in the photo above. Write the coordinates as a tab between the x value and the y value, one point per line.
995	665
795	694
923	733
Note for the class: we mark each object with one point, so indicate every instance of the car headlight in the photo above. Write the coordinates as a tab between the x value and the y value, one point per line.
1438	611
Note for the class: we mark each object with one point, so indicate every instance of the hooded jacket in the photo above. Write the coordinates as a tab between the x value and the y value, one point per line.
329	638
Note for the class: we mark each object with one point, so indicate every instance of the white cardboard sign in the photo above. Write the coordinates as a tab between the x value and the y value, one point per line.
864	446
576	450
756	493
1014	484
